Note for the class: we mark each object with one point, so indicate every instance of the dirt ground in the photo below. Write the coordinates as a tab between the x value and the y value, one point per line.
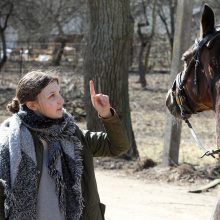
128	198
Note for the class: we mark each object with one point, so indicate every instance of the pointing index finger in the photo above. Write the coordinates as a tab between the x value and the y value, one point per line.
92	88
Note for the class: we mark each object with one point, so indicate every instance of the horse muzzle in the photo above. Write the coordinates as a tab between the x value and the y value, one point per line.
173	106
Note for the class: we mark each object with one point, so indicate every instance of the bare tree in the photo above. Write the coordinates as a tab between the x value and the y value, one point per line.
6	9
44	18
146	39
107	60
60	12
167	14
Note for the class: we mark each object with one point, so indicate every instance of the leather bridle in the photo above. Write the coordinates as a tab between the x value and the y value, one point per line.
178	88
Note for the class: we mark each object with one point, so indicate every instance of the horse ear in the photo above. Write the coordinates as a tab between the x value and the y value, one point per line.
207	21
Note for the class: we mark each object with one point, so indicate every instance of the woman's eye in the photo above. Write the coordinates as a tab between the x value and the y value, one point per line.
52	95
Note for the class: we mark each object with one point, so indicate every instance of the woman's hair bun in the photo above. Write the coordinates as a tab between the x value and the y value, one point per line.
14	105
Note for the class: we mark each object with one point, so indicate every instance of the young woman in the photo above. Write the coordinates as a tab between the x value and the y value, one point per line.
46	161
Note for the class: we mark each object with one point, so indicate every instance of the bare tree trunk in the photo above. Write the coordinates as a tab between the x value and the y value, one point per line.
141	66
58	52
107	61
4	49
181	43
147	56
153	26
7	8
169	26
146	41
173	5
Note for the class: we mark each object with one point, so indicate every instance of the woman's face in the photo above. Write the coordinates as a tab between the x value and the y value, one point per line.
49	101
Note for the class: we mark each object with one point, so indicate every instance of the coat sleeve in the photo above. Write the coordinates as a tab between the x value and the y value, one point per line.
113	142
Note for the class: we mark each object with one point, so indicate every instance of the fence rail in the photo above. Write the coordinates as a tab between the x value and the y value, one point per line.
26	54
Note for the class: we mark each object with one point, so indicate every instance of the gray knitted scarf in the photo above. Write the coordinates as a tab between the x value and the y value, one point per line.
18	165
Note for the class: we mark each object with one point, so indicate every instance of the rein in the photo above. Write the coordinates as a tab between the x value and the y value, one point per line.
199	143
181	78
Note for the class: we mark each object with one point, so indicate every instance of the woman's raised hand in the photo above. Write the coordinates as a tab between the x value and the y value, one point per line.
100	102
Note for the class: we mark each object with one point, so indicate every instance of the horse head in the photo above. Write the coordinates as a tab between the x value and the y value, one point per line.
197	87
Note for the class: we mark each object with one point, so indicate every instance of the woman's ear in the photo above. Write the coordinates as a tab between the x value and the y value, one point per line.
32	105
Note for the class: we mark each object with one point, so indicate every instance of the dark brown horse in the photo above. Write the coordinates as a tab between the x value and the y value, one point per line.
197	87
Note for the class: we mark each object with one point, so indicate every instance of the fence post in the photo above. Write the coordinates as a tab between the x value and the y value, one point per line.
182	41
